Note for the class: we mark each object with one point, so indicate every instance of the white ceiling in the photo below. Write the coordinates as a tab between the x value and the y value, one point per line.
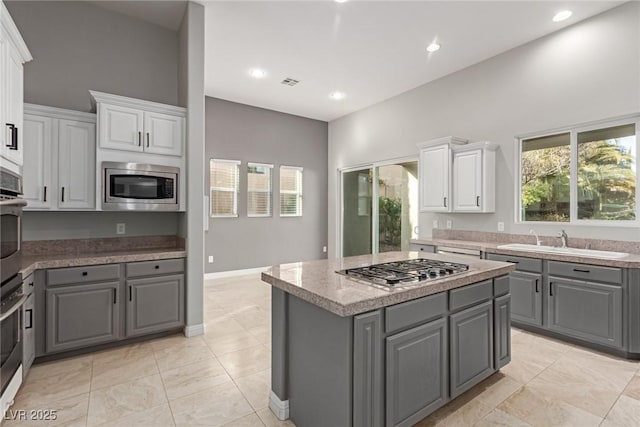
370	50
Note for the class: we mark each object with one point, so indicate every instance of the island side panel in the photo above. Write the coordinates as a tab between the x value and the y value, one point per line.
320	354
279	314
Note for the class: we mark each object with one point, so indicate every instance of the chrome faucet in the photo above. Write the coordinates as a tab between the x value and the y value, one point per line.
532	231
564	238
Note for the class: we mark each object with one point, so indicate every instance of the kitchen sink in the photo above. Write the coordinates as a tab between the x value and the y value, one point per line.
589	253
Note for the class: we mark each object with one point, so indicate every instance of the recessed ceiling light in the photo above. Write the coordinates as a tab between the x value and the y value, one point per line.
433	47
561	16
257	73
337	96
340	1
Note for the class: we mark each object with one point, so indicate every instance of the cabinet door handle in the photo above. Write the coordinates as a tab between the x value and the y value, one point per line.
115	295
445	202
45	194
139	139
63	194
581	271
130	295
550	289
478	201
537	283
13	144
147	139
30	311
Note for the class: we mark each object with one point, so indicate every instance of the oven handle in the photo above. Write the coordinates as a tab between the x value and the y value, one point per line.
12	310
13	202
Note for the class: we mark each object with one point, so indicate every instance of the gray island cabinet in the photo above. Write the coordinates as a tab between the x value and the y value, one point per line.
345	353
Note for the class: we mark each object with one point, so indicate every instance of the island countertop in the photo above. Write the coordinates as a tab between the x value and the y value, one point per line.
318	283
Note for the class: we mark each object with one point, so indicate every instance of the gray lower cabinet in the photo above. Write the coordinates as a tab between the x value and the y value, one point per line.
586	310
81	315
471	347
28	335
416	373
526	297
154	304
368	386
502	331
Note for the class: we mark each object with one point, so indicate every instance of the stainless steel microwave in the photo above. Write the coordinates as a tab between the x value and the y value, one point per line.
139	187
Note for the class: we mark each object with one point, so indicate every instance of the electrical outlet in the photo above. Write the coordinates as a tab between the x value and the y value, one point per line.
501	226
210	259
120	228
435	223
449	224
324	249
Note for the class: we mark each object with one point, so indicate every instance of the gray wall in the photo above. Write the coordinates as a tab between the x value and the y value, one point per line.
250	134
586	72
82	225
79	46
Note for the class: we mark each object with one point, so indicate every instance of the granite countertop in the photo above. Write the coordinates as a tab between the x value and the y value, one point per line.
629	261
318	283
30	263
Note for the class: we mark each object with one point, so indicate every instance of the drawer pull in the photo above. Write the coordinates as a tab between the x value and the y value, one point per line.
84	273
157	267
581	271
514	262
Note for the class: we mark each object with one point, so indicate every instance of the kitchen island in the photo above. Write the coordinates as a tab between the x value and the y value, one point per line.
347	353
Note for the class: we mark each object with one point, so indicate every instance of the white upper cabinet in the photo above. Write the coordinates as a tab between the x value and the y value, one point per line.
135	125
37	178
13	54
59	170
76	164
474	183
435	174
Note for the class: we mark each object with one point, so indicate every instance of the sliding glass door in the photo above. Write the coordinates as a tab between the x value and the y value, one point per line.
381	217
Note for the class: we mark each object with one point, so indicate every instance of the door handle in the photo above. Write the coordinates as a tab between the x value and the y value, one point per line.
45	194
130	295
30	311
139	139
445	202
478	201
147	139
537	282
550	289
115	295
13	144
63	194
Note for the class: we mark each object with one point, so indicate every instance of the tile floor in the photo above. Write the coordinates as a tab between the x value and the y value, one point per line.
222	379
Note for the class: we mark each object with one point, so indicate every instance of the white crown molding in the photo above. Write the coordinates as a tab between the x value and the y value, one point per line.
58	113
452	140
481	145
107	98
14	34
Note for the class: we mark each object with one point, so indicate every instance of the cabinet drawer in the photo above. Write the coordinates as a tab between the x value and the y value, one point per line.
422	248
151	268
501	285
522	263
94	273
470	295
585	271
413	312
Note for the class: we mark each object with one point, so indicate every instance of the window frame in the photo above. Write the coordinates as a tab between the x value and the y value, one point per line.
299	193
573	168
270	192
235	191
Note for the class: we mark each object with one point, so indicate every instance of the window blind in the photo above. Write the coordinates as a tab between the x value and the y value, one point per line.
290	191
259	192
224	186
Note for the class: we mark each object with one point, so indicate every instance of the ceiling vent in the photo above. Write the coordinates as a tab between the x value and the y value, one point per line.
290	82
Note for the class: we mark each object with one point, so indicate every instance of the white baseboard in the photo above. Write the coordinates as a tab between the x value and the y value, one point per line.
194	330
233	273
279	407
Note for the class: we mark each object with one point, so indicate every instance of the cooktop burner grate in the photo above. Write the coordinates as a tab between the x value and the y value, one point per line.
405	273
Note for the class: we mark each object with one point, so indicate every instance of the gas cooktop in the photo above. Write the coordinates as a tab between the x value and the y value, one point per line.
404	273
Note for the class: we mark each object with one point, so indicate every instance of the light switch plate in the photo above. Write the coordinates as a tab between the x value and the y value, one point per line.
120	228
501	226
449	224
435	223
210	259
324	249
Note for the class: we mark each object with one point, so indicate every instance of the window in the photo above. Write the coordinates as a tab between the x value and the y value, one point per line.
224	177
259	190
290	191
580	175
